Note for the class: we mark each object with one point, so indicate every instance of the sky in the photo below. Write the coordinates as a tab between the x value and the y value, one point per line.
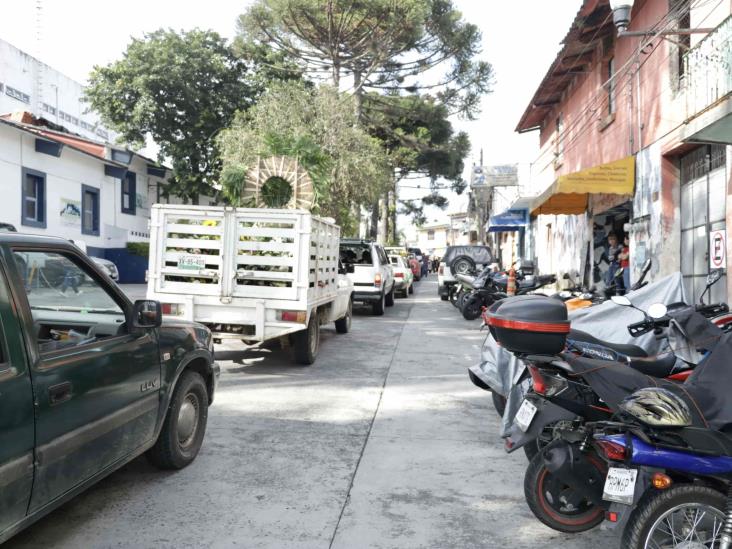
520	40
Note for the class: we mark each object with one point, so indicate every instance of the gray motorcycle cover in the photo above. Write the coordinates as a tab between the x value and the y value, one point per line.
501	370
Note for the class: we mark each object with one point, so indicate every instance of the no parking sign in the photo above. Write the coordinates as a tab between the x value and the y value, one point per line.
718	249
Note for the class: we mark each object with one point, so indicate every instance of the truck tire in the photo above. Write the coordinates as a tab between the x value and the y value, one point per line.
377	308
184	425
390	297
411	288
305	343
343	325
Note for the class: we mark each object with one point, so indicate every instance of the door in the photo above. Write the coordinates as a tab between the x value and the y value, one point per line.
96	384
16	416
703	210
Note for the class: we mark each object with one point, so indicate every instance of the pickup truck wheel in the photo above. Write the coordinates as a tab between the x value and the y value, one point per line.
378	306
306	342
184	425
343	325
390	298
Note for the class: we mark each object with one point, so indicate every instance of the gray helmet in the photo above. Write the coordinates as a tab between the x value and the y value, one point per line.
657	407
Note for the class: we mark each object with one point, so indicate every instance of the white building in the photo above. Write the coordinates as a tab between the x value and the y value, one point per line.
27	84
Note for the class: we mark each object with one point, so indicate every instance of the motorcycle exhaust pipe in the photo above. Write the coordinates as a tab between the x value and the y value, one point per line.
566	462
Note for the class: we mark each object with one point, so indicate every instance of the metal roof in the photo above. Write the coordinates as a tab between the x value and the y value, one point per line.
591	25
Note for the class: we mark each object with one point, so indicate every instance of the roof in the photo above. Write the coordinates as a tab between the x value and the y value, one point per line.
9	237
592	24
48	130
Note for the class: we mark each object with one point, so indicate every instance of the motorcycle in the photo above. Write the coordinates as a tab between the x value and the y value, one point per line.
562	401
495	288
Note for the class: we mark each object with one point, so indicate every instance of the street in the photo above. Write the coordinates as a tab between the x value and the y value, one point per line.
384	442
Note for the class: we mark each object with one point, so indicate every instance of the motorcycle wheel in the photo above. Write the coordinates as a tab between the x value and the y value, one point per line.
454	296
536	446
472	307
557	505
499	403
461	300
691	511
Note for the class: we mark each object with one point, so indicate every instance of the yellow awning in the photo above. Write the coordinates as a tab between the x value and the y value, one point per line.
569	193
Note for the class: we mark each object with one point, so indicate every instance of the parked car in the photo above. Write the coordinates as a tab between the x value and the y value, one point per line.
372	276
108	267
8	228
460	260
403	277
89	384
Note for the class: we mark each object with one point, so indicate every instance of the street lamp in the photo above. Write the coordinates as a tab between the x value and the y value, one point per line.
621	17
621	14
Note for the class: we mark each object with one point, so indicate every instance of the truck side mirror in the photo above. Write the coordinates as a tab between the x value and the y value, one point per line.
147	313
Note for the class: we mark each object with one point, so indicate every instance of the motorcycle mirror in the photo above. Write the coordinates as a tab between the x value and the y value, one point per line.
646	265
621	300
657	310
714	276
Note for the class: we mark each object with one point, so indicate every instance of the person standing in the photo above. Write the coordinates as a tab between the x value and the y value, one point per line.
425	265
624	257
613	251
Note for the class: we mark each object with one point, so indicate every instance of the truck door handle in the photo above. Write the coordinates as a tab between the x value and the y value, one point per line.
59	393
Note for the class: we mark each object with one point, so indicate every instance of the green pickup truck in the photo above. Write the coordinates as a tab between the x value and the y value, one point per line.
88	380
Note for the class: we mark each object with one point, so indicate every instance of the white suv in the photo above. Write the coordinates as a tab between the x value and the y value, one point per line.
372	276
460	260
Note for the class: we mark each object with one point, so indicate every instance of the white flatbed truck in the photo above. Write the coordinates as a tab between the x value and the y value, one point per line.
252	274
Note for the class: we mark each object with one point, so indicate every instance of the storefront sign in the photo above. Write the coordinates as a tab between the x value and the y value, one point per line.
70	212
718	249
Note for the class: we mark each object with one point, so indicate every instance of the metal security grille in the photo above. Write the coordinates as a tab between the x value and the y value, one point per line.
703	199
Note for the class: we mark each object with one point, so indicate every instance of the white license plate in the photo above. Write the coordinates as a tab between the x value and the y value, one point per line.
525	415
191	262
620	485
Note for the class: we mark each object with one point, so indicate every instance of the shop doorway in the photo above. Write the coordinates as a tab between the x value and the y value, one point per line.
613	221
703	210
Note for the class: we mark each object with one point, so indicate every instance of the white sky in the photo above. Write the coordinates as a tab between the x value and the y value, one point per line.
520	40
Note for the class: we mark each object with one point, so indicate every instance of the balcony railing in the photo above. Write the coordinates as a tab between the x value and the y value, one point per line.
708	69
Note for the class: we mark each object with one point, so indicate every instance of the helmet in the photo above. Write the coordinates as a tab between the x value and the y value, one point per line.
657	407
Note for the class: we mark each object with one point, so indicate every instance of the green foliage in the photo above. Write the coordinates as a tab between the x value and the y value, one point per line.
276	192
181	88
139	248
318	125
409	46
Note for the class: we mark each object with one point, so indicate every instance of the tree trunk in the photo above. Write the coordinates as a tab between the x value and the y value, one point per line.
384	221
374	225
358	94
392	237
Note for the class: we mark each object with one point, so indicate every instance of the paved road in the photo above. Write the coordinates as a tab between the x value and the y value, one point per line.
383	443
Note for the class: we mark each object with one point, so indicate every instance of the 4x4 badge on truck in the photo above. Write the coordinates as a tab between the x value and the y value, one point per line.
148	385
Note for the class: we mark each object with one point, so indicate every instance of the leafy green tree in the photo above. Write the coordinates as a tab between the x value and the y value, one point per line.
319	126
181	89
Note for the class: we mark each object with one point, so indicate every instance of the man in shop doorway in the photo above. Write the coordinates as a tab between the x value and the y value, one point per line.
624	257
613	257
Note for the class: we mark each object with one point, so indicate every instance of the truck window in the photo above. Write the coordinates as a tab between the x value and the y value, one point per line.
68	305
356	254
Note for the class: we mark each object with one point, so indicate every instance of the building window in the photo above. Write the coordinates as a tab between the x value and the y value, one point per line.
430	235
17	94
611	105
560	135
129	193
89	210
33	193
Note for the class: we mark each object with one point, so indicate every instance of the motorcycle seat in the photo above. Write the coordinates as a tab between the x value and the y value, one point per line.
660	366
626	349
698	440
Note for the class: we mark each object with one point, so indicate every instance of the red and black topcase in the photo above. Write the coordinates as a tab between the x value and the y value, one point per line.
529	324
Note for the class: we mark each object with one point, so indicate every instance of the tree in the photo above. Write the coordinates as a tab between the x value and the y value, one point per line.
181	89
421	144
319	126
395	48
389	46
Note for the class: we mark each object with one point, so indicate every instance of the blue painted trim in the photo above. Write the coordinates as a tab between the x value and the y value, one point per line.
115	171
38	223
50	148
132	178
94	230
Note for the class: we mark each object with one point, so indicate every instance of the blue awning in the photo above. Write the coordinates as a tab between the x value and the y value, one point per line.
510	220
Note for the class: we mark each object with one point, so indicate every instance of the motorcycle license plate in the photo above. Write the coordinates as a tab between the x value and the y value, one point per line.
525	415
620	485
